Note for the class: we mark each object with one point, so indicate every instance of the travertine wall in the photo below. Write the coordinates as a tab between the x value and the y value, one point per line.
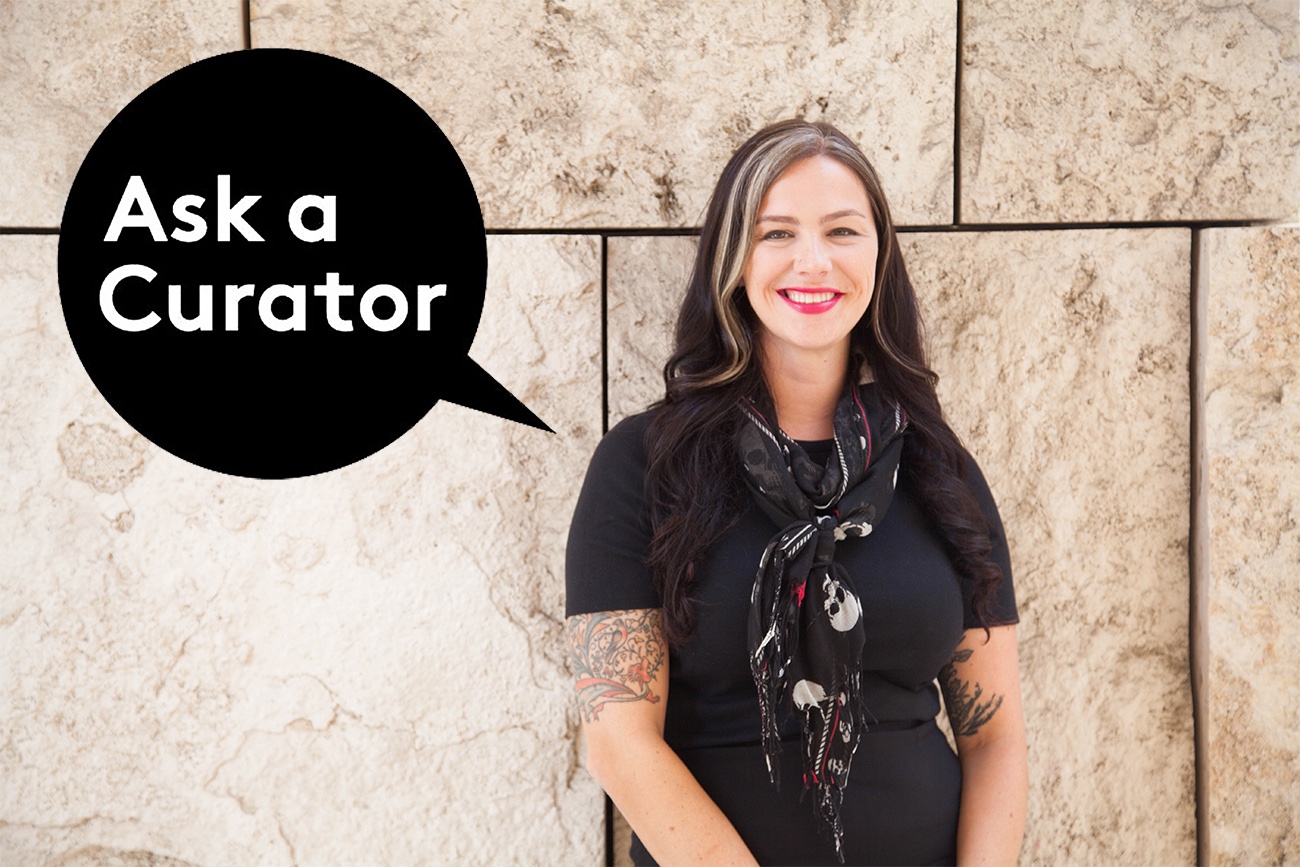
1250	278
360	667
365	667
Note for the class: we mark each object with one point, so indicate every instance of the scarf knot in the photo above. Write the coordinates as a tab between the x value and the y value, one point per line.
828	530
805	624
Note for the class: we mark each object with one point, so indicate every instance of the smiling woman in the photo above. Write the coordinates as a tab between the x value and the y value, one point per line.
796	530
810	277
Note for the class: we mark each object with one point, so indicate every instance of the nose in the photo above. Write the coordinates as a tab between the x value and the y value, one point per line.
812	258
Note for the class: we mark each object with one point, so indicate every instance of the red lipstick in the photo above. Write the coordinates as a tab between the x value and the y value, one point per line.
811	299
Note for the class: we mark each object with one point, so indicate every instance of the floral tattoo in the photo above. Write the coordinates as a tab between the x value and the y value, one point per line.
966	711
615	656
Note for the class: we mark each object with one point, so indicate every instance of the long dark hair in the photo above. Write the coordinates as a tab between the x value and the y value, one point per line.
692	481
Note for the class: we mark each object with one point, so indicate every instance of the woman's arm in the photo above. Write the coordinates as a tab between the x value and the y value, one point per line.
620	659
981	691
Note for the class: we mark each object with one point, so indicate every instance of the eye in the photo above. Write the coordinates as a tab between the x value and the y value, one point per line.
844	231
775	235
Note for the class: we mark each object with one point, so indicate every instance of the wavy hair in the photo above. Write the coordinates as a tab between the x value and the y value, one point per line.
692	482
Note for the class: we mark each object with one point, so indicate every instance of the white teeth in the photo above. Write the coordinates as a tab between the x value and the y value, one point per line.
808	297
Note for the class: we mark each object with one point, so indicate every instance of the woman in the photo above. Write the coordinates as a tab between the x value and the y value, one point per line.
768	570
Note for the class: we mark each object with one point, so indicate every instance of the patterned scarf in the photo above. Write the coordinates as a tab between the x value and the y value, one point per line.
805	626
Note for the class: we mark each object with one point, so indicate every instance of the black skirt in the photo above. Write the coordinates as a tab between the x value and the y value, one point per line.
900	805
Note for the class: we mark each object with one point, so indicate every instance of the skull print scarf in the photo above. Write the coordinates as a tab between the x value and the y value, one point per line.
805	626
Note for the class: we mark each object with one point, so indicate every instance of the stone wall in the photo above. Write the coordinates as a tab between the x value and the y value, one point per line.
207	670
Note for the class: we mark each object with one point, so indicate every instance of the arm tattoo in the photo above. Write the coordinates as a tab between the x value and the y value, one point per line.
615	656
965	710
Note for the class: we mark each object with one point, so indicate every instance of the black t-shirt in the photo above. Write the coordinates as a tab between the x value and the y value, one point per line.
914	605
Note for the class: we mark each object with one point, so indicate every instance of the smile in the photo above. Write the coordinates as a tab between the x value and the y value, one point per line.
811	300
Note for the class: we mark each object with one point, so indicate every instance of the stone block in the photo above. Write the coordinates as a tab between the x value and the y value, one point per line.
646	282
66	69
622	114
364	666
1090	112
1250	285
1064	361
1063	358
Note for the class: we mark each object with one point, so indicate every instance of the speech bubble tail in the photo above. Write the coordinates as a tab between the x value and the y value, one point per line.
468	385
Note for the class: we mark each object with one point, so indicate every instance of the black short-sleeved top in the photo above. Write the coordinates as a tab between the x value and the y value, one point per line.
902	801
914	605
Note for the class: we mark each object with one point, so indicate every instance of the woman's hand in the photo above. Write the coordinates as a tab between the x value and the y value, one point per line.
620	660
981	691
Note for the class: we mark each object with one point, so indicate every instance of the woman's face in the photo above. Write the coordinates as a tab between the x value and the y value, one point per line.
812	268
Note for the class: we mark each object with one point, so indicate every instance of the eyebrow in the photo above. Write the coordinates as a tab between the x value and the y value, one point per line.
777	218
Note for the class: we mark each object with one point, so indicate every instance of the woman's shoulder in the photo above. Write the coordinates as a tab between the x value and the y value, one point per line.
624	446
632	429
1003	610
617	469
978	484
611	530
971	472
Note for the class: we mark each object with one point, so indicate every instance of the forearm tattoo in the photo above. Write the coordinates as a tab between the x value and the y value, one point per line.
968	710
615	656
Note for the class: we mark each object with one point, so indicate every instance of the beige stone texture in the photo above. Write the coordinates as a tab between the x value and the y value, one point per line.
1089	112
1063	358
367	666
588	113
1064	361
1250	281
363	667
67	68
646	278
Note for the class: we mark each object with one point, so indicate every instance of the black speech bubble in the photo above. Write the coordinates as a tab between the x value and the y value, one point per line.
281	124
